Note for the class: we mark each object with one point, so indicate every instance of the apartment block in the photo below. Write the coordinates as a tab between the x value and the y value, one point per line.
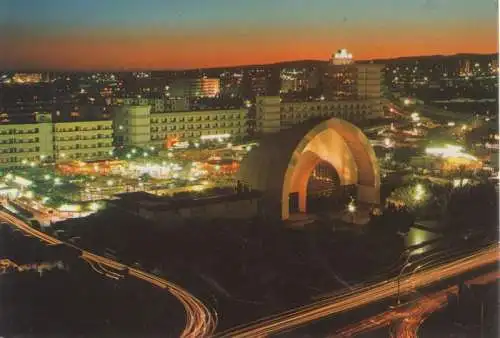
273	114
136	125
43	140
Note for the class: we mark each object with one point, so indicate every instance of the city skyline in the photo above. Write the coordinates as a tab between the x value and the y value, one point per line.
91	35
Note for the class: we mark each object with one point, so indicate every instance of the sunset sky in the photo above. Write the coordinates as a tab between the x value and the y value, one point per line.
161	34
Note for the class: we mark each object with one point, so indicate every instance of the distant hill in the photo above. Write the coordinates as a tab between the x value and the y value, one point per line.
425	58
299	64
315	63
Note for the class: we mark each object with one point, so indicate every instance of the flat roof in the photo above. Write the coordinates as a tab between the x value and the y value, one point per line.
143	200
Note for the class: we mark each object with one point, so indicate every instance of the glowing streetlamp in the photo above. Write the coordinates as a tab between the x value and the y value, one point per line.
351	208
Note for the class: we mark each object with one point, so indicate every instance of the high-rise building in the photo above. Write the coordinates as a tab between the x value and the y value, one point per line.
339	80
351	91
345	79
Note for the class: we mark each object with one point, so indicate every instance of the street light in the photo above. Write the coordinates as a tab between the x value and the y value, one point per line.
351	208
407	264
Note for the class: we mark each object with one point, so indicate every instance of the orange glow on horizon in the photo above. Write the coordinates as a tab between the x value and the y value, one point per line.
240	48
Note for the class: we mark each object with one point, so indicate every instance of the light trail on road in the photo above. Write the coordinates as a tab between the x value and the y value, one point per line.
408	327
363	296
199	319
412	314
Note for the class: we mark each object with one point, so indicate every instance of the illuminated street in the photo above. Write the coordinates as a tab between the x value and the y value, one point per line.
408	317
364	295
199	320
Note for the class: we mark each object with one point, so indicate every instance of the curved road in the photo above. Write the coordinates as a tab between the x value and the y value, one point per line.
363	295
408	327
199	319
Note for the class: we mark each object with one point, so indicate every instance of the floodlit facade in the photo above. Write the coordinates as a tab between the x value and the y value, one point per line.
281	166
193	88
136	125
43	140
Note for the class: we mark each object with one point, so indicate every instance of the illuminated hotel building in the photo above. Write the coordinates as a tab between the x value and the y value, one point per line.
353	92
137	125
43	140
339	79
194	88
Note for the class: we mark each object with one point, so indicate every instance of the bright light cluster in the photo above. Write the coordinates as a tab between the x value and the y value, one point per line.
450	151
419	192
160	171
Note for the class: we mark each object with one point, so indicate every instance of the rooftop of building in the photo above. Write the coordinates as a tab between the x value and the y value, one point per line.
165	203
31	118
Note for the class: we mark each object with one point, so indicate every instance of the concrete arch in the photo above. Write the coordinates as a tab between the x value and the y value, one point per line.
284	161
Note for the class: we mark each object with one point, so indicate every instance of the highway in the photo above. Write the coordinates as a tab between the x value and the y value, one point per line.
364	295
408	327
199	319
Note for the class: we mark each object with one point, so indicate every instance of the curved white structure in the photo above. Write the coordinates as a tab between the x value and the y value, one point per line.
283	163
